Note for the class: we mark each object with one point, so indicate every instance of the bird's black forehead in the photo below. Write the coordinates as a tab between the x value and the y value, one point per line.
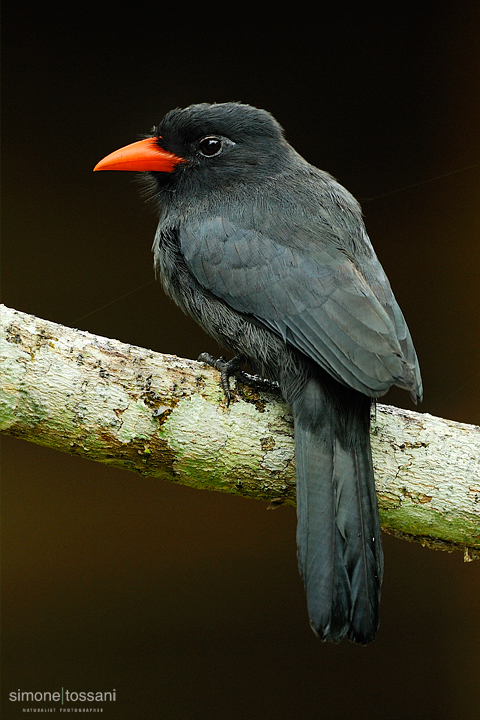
233	120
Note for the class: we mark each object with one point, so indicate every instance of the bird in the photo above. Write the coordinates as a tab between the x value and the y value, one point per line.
270	255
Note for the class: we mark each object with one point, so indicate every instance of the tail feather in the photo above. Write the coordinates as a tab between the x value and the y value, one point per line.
338	532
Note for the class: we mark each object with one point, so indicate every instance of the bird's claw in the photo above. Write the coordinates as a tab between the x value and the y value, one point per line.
232	368
226	368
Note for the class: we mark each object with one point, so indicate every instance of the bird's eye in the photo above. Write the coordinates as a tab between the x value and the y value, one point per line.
210	146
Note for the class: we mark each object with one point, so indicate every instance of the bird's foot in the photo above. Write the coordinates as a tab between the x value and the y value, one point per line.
226	368
257	383
232	368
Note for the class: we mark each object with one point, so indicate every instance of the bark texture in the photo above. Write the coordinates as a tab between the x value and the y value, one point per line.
165	416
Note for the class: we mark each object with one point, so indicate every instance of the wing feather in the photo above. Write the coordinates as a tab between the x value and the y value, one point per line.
313	295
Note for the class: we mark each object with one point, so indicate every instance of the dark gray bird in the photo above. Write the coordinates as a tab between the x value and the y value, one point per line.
271	257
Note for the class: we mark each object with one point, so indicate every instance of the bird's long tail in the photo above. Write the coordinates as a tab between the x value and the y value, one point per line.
338	533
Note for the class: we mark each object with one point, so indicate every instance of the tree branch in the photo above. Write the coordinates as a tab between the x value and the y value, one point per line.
164	416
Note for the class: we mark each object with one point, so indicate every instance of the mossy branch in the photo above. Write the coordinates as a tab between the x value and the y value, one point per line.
166	417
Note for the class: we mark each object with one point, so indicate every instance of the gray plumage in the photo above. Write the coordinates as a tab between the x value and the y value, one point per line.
270	255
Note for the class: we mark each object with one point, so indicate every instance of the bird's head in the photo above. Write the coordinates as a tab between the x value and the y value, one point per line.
205	146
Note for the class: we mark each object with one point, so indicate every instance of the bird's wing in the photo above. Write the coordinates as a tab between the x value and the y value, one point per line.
311	294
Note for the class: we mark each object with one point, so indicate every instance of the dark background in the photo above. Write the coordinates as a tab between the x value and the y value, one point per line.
189	603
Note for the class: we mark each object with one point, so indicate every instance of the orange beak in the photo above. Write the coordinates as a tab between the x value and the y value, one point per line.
141	156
